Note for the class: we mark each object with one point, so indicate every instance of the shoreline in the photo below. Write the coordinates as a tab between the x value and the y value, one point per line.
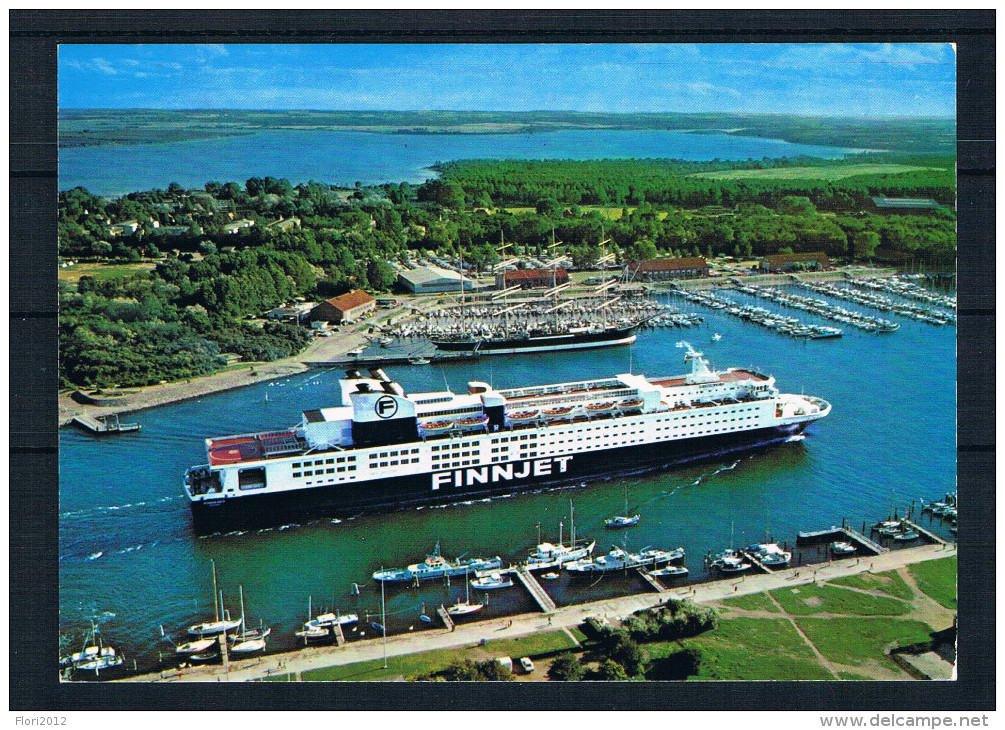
471	634
336	347
153	396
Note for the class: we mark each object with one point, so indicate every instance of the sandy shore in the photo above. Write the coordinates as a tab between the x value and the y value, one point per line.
327	348
471	633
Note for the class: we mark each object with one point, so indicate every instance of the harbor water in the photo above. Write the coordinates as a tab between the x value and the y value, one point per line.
130	561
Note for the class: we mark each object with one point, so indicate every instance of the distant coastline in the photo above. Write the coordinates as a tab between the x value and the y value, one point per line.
95	127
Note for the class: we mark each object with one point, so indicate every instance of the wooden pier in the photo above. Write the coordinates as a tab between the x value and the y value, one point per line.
104	424
749	556
651	580
534	588
339	636
849	533
927	533
867	543
445	617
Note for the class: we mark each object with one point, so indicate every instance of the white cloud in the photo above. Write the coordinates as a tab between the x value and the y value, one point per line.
100	64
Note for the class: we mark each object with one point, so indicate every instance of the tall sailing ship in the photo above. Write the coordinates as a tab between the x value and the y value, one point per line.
384	448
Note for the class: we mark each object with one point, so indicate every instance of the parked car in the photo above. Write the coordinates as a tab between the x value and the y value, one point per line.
527	664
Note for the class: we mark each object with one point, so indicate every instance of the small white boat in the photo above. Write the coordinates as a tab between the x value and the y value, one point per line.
436	425
716	337
619	521
842	548
94	656
730	561
196	646
419	361
670	571
248	640
906	536
462	608
218	625
550	576
492	580
523	415
770	554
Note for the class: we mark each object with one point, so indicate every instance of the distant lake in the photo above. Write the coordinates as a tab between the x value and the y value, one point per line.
343	158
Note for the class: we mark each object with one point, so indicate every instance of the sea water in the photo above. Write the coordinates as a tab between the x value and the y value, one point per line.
129	559
344	158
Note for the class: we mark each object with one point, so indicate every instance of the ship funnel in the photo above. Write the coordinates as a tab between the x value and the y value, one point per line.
378	374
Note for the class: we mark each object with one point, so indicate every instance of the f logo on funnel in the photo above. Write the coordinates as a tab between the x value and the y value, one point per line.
385	407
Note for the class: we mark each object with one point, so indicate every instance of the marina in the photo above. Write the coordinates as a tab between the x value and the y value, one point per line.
688	505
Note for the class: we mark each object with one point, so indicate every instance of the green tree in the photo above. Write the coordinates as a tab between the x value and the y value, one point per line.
380	275
609	670
566	668
865	244
796	205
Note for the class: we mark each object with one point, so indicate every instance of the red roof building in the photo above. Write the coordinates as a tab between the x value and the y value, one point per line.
532	278
344	308
662	269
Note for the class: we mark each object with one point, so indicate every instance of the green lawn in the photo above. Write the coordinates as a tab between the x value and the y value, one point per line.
888	582
749	648
855	642
815	598
824	172
753	602
412	665
937	578
103	272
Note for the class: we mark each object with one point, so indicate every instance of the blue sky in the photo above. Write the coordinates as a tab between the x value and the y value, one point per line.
905	79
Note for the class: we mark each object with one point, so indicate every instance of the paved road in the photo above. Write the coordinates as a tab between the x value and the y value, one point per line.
471	633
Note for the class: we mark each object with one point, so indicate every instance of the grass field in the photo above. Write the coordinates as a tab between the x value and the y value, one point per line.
937	578
748	648
103	272
813	598
413	665
753	602
855	642
889	583
610	212
824	172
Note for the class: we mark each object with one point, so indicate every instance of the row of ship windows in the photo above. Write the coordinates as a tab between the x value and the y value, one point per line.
395	462
318	472
507	439
329	481
320	462
436	457
447	447
385	454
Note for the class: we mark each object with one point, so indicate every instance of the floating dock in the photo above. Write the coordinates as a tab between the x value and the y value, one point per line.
849	533
927	533
339	636
104	424
651	580
534	588
445	617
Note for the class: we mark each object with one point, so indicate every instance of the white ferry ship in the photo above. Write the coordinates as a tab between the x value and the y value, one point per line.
383	448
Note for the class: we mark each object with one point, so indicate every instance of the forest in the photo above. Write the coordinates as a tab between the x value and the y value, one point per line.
211	283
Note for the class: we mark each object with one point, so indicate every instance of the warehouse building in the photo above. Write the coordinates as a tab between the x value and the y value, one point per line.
434	280
345	308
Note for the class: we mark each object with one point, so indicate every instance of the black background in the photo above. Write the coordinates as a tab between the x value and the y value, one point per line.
33	640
